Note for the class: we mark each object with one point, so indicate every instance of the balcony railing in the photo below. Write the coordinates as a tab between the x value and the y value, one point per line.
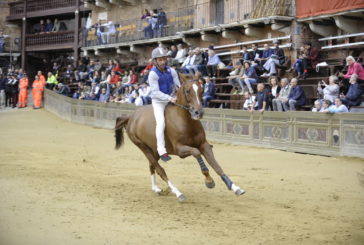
17	8
138	29
49	40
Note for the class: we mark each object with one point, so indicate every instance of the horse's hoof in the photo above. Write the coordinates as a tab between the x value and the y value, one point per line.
239	192
182	198
210	185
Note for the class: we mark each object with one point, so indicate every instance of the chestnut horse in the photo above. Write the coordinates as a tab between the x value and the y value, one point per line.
184	136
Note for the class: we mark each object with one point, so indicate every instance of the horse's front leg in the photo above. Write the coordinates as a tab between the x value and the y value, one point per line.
206	150
185	151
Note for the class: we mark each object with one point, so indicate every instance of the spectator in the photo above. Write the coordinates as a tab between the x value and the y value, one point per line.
105	94
187	65
310	58
147	30
63	89
114	78
56	25
316	106
298	65
48	26
266	54
212	63
52	81
255	54
111	31
325	106
279	52
208	91
329	91
14	90
234	77
338	107
283	95
245	53
274	90
249	77
99	30
353	96
198	64
42	27
181	54
353	68
271	66
161	23
144	93
249	101
2	41
133	78
295	98
261	99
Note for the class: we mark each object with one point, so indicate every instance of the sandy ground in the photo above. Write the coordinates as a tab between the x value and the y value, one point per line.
63	183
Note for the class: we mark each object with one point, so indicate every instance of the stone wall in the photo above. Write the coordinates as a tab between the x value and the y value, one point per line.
306	132
8	28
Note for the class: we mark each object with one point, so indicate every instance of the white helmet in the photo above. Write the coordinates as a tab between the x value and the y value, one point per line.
158	53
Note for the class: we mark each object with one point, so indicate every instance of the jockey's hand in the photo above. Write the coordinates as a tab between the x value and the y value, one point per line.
173	100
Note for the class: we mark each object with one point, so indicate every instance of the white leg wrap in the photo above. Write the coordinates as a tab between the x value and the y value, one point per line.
235	188
174	189
155	188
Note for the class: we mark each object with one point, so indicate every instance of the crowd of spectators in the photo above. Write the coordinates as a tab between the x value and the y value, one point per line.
48	26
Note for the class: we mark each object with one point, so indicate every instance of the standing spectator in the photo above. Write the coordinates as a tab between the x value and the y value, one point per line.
48	26
274	90
338	107
51	81
111	31
208	91
295	98
2	41
14	90
212	63
56	25
37	92
147	29
23	91
3	81
310	58
234	77
161	23
8	90
329	91
249	77
99	30
41	26
261	98
249	101
353	96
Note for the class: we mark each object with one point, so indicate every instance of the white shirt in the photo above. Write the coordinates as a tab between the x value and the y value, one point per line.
110	27
249	103
156	94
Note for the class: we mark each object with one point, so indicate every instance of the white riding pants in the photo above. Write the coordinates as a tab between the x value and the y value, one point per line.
158	108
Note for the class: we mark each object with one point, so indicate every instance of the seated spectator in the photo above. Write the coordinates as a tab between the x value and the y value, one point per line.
298	65
278	51
81	72
249	101
245	53
271	66
69	74
95	90
234	77
295	98
310	58
266	54
187	65
316	106
249	77
353	68
274	90
208	91
254	55
198	63
261	98
173	52
338	107
52	81
78	92
212	63
56	25
48	26
181	54
353	96
329	91
144	93
114	78
325	106
63	89
133	78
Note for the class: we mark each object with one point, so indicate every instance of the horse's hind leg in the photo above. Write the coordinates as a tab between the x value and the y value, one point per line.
206	150
185	151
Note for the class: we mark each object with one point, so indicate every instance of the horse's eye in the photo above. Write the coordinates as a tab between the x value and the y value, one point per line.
187	91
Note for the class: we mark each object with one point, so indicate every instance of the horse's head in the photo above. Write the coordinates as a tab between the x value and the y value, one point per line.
190	96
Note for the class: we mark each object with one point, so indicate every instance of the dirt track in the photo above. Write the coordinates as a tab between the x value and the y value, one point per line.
63	183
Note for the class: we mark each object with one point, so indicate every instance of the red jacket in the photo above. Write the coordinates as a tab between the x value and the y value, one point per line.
133	79
114	79
117	68
355	68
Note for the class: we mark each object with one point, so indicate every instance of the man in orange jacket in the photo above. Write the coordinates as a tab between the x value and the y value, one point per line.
37	92
41	77
23	91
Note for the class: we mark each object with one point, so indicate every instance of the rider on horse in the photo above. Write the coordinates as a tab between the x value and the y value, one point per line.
163	81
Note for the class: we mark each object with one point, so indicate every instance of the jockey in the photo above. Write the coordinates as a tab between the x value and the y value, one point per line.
163	81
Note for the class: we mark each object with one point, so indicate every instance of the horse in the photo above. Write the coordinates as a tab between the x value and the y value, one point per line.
184	136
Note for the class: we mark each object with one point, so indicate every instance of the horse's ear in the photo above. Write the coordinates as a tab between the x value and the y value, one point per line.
197	76
182	77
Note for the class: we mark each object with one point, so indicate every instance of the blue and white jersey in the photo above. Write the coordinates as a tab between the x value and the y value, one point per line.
163	84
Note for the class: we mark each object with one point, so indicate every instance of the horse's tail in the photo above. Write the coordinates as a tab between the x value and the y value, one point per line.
121	123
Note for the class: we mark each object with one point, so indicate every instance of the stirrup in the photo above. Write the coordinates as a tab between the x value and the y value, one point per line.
165	157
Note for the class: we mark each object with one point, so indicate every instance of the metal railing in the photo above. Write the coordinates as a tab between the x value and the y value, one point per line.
47	39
